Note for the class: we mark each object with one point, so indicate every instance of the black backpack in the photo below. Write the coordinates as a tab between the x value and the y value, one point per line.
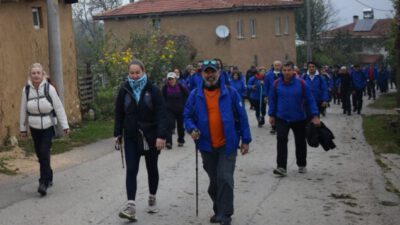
46	92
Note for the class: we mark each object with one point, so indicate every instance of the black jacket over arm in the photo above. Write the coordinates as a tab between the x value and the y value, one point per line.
149	114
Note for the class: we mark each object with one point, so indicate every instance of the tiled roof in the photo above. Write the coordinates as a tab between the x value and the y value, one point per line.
380	29
162	7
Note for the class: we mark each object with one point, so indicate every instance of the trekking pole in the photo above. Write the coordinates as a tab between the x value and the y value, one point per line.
197	182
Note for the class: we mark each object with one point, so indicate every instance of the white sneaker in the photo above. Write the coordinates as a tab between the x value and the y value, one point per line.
129	212
152	208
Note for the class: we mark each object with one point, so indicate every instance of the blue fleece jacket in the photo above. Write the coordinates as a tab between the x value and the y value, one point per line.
270	79
239	86
194	81
288	101
196	117
359	79
255	94
318	86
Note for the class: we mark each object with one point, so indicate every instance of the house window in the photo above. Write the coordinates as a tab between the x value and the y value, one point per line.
157	23
286	31
240	29
37	17
253	28
278	26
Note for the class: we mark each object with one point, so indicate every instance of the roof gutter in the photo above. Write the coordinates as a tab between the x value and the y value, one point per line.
192	12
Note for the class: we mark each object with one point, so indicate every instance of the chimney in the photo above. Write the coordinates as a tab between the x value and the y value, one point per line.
355	19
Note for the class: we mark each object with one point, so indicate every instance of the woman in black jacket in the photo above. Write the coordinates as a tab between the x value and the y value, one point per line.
140	120
175	95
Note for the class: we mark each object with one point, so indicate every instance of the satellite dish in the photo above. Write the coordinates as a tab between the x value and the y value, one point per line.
222	31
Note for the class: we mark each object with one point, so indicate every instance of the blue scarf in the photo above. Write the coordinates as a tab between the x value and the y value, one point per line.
137	86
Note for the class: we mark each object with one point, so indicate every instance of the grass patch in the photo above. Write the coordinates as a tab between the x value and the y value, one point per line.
385	101
382	132
82	134
4	169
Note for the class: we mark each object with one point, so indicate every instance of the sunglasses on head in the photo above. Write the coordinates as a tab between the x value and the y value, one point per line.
210	62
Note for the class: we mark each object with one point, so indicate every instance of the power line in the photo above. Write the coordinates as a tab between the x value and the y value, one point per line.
377	9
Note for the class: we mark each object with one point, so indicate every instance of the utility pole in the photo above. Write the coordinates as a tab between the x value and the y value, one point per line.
55	52
397	48
309	51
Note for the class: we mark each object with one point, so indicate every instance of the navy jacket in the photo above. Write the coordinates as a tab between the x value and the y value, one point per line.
289	101
196	117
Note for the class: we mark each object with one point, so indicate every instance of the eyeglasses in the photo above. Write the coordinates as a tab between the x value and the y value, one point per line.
170	78
210	62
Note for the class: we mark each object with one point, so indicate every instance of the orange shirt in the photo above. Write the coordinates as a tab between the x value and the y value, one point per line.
215	118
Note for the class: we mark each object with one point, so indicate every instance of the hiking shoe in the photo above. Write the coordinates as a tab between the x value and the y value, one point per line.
213	219
180	144
42	189
302	169
280	171
129	212
169	146
152	208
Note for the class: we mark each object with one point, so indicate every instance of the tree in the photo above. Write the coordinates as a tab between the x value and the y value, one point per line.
396	4
322	18
89	33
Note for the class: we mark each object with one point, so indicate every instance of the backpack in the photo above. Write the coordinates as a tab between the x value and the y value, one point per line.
129	98
46	92
46	95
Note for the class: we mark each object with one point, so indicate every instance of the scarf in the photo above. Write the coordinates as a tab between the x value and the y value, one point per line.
260	76
137	86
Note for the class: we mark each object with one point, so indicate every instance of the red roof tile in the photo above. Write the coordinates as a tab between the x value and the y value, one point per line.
380	29
149	7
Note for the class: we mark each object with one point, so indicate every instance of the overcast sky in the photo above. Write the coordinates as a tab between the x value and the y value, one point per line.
346	9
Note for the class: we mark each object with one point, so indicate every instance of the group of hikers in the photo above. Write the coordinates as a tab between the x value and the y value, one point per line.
208	103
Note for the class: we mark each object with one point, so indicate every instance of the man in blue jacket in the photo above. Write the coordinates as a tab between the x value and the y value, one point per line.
287	110
359	81
194	80
269	80
217	137
318	86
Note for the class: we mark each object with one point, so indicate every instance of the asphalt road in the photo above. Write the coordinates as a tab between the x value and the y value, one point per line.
342	186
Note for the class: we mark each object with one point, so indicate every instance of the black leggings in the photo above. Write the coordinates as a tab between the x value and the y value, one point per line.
132	159
42	140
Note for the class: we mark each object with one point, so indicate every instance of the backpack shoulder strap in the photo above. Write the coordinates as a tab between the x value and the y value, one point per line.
27	89
303	87
46	93
276	82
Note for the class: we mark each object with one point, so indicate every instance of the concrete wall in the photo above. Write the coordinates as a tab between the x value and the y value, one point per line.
21	45
201	31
